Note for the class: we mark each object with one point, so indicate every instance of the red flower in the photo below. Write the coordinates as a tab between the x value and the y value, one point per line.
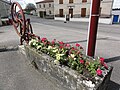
99	72
73	48
61	47
61	43
102	60
53	41
105	65
67	45
43	39
82	61
77	45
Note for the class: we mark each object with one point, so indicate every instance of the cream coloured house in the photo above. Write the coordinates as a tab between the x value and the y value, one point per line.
81	9
4	9
45	9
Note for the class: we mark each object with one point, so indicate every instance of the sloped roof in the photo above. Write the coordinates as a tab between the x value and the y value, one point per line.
45	1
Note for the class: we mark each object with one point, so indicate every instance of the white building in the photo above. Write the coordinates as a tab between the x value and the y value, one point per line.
45	9
4	10
79	10
116	11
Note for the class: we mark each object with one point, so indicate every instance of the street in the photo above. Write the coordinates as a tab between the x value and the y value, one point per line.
107	46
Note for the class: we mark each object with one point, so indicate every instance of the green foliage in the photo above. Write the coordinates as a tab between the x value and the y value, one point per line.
29	7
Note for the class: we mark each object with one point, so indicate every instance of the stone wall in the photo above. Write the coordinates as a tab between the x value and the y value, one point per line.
62	75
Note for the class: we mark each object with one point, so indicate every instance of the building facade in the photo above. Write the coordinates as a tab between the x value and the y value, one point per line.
4	9
116	11
80	8
45	9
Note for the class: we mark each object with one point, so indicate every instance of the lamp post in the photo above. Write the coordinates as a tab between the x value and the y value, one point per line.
92	29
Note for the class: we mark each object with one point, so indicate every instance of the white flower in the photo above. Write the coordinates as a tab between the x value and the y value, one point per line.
38	47
55	50
72	55
49	47
58	56
32	42
56	62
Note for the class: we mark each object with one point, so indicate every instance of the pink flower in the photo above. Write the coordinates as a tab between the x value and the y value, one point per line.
53	41
102	60
82	61
105	65
61	47
77	45
99	72
73	48
61	43
67	45
43	39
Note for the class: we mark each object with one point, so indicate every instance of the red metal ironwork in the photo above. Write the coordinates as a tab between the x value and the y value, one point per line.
93	24
22	26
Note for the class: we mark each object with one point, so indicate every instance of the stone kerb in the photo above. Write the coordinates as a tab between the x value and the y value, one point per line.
62	75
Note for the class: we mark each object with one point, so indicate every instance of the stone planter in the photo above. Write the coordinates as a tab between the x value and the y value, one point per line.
62	75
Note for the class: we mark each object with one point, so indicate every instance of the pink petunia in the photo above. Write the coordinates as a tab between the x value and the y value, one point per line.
105	65
61	43
82	61
99	72
67	45
53	42
60	47
102	60
77	45
43	39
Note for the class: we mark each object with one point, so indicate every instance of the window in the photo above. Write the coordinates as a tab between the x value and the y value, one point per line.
70	1
39	6
60	1
44	5
83	12
61	12
49	5
49	12
84	0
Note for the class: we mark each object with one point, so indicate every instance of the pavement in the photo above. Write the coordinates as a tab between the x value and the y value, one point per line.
17	74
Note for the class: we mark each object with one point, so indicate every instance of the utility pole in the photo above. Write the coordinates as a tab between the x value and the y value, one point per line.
92	29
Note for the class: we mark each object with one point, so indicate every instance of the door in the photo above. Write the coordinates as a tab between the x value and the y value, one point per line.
71	12
115	18
61	12
83	12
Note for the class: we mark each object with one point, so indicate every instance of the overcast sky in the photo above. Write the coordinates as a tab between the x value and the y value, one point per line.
23	3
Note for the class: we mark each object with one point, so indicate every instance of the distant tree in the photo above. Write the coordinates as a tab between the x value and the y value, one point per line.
29	7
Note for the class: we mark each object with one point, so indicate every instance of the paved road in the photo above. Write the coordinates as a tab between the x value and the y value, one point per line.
16	75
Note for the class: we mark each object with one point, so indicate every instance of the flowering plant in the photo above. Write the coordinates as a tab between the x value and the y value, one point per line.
71	56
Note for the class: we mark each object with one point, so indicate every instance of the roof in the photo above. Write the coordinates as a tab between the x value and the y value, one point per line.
45	1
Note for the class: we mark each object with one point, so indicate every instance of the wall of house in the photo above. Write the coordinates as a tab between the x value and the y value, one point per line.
44	7
106	7
4	9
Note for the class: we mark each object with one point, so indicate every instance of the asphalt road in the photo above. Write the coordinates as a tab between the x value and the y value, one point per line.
15	74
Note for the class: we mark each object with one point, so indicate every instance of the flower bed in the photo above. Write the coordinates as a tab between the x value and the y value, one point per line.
69	65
